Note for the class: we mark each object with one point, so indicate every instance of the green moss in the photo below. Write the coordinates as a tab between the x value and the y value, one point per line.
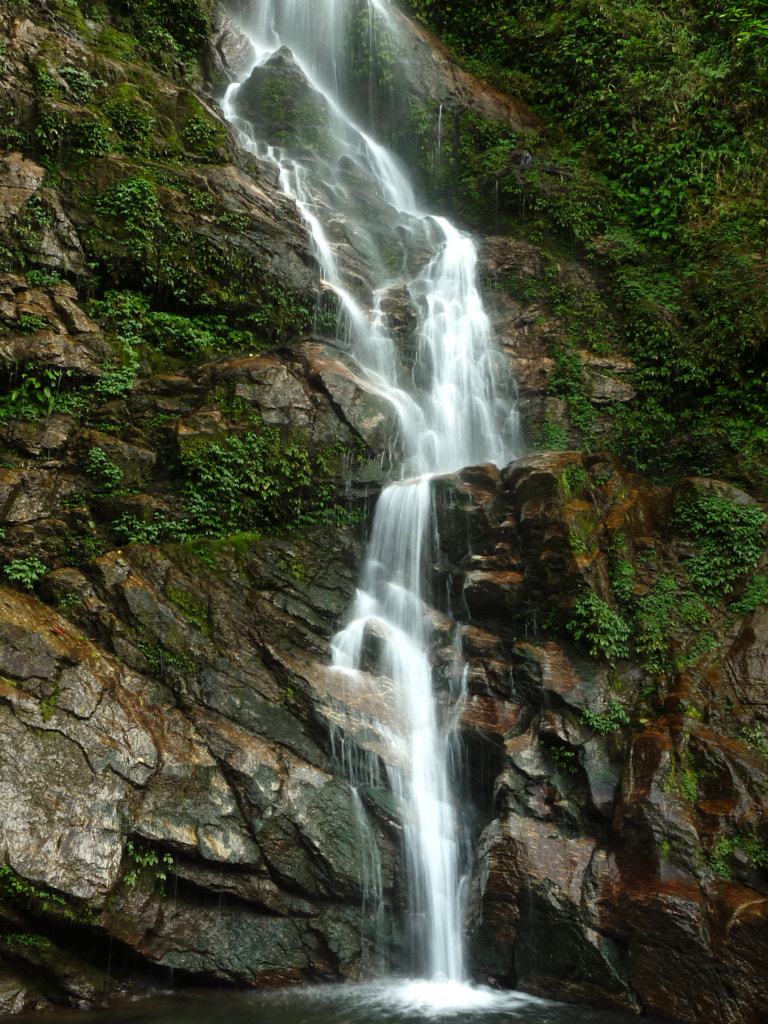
116	45
682	779
48	704
193	607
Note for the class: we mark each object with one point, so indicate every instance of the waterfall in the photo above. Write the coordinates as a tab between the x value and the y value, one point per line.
448	406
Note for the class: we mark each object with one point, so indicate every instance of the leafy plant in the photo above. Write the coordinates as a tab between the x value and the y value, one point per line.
621	570
117	381
43	278
608	720
730	536
15	888
110	476
132	530
568	382
755	594
721	853
249	480
143	860
200	134
603	629
133	124
563	757
35	394
554	437
26	571
81	83
132	202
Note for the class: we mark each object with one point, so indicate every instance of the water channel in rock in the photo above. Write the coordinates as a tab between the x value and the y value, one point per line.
454	407
355	197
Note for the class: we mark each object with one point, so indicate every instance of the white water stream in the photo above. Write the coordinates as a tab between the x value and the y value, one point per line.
449	413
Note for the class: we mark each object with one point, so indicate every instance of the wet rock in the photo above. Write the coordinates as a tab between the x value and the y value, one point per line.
268	385
229	54
282	105
63	338
369	415
17	995
608	833
430	74
56	242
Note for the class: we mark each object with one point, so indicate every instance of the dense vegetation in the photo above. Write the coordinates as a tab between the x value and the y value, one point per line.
171	269
653	165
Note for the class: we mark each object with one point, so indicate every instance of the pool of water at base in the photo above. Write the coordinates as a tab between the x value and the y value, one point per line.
381	1002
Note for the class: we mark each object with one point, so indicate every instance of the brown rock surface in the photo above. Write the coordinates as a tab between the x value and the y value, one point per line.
623	860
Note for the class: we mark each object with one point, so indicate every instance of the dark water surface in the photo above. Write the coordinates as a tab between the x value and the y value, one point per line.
384	1002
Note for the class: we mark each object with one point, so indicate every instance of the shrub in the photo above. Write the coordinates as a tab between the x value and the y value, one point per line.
26	571
604	630
730	537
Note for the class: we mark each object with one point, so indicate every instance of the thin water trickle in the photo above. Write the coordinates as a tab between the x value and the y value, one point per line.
451	414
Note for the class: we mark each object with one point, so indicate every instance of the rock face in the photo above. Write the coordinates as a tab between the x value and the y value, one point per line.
183	789
543	309
623	859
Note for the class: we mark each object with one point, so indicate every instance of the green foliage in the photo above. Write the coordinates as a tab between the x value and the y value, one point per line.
49	702
721	853
567	381
133	530
110	476
33	393
80	82
563	756
655	613
200	134
30	940
43	278
671	213
16	889
136	325
161	658
755	594
683	780
122	312
242	482
730	538
60	133
132	202
133	124
621	570
371	50
612	718
170	32
603	629
25	571
146	863
45	82
30	323
753	735
554	437
573	479
117	381
171	333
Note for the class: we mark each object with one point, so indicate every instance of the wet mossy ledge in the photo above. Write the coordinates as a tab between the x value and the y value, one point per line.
186	469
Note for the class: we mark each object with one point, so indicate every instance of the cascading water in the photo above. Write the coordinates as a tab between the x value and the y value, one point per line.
448	408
